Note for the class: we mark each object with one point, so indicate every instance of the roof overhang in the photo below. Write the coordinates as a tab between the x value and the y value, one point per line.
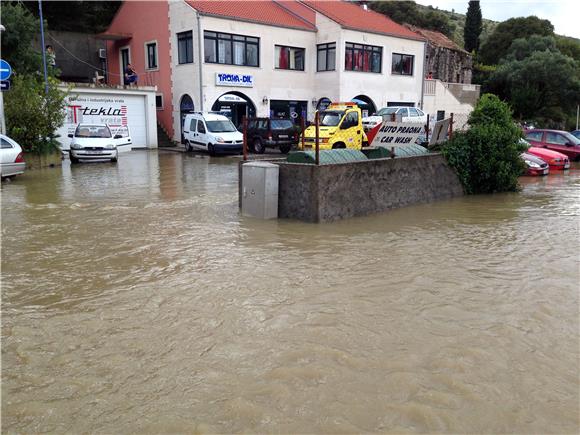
110	36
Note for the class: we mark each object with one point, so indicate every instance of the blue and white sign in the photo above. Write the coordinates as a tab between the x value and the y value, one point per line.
5	70
242	80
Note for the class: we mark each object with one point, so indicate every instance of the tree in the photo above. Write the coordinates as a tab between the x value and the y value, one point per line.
498	43
473	27
487	156
32	116
21	27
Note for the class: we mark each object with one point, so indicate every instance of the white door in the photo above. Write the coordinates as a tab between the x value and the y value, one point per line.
201	136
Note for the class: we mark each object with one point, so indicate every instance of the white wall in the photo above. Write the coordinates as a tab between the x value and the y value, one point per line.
443	99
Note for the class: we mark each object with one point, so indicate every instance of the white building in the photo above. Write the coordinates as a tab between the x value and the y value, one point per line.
270	58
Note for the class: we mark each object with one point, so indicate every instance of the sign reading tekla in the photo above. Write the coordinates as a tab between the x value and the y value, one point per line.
242	80
398	133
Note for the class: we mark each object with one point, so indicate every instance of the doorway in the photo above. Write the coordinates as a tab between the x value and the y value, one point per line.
185	106
365	104
235	106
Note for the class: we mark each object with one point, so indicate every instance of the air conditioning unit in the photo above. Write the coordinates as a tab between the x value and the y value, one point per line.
103	53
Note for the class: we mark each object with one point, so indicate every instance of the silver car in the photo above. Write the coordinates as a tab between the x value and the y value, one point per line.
93	142
11	158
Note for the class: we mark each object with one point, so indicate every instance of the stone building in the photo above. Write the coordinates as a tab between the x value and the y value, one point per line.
444	58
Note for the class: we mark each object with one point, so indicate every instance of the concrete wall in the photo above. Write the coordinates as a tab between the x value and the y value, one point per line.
331	192
456	98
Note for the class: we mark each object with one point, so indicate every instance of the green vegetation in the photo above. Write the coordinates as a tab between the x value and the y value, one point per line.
473	27
32	115
486	157
408	12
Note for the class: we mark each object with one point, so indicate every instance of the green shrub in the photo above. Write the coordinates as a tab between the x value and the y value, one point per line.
486	157
32	116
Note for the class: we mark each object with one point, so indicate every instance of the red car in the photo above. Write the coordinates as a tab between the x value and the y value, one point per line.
556	161
556	140
535	165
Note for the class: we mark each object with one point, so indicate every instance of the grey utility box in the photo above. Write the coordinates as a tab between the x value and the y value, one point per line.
260	190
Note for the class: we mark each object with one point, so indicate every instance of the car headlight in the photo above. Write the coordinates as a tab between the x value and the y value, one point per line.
75	146
219	139
110	146
532	164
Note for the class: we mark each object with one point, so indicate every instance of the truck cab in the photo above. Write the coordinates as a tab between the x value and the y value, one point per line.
340	126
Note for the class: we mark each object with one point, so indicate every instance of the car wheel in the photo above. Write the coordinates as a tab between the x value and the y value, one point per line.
188	147
338	145
258	146
115	159
73	159
211	150
285	149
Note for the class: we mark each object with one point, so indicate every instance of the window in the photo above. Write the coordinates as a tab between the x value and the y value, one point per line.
350	120
125	60
231	49
402	64
367	58
192	124
326	57
185	47
159	102
151	51
289	58
534	135
200	126
5	143
555	138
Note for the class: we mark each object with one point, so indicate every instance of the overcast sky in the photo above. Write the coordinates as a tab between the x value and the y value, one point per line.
563	14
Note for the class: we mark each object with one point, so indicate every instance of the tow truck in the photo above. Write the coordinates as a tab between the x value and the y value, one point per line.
340	126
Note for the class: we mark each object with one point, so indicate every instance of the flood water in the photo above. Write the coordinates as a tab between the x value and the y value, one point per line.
136	299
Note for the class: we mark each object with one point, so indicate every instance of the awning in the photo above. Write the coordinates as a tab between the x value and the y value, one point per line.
109	36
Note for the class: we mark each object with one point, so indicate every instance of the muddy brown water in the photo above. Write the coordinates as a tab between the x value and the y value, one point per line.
136	299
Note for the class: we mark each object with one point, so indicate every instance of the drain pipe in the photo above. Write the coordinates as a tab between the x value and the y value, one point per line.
199	61
424	71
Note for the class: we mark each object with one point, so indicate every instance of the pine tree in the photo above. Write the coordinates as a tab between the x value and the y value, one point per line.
472	28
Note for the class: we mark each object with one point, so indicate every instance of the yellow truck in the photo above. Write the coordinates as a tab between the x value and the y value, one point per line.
340	126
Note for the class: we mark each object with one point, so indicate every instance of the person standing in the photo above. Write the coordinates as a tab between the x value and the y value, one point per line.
50	56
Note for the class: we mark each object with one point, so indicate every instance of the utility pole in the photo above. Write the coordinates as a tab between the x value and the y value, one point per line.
43	47
2	120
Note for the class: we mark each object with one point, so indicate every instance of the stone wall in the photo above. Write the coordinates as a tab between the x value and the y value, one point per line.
332	192
451	66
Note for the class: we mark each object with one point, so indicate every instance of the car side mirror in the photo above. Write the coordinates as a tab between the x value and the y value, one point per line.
569	144
345	125
118	136
71	135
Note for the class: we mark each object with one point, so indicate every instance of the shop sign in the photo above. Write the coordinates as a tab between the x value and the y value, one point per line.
398	133
242	80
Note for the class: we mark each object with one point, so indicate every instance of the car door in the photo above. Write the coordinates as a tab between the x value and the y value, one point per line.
8	154
353	134
557	142
404	114
202	138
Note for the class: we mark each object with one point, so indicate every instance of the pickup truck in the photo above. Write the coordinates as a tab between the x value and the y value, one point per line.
340	126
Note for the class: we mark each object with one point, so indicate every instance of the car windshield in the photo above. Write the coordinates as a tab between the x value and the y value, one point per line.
330	118
387	111
281	124
93	131
221	126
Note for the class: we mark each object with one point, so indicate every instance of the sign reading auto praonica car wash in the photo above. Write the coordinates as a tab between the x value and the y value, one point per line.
398	133
242	80
125	115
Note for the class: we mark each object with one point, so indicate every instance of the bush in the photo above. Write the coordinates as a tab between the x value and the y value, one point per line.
487	156
32	116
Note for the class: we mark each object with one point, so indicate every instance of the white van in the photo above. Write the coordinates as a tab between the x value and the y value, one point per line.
211	132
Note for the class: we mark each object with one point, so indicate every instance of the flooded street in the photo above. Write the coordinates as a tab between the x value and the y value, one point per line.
135	298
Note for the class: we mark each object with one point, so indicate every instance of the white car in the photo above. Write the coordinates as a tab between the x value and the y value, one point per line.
95	142
211	132
402	114
11	158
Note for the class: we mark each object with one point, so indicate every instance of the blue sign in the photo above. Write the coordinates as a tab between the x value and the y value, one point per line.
4	85
5	70
243	80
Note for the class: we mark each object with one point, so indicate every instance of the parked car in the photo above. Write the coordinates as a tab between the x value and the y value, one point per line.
556	140
556	161
94	142
273	133
535	165
576	134
211	132
11	158
405	114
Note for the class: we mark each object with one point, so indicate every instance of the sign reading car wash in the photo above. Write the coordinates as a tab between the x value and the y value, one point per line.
241	80
398	134
127	113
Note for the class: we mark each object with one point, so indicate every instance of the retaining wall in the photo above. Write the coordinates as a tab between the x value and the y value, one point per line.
331	192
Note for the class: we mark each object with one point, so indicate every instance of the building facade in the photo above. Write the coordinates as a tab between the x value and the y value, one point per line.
282	58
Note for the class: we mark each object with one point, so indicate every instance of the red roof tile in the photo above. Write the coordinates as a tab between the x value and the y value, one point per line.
264	12
437	38
352	16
